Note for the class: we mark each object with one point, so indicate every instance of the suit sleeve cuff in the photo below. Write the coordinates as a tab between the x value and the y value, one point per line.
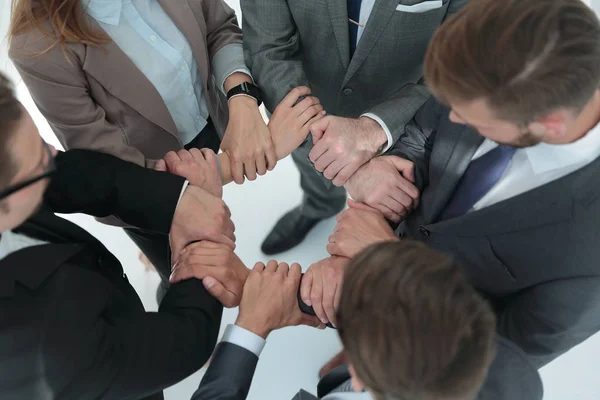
227	61
185	185
244	338
388	133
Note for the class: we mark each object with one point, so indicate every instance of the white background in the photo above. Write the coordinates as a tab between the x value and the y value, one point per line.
293	356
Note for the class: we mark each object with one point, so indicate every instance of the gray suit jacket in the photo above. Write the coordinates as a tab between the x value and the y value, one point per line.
289	43
229	376
535	256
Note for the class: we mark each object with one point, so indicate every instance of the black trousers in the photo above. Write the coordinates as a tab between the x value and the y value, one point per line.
156	245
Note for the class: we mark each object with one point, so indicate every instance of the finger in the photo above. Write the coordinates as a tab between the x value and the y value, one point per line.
160	165
237	170
219	292
171	158
226	240
334	249
306	287
324	161
328	300
305	131
250	169
185	155
261	164
387	212
198	271
316	296
361	206
342	177
259	267
305	104
310	320
399	201
310	113
292	97
272	266
409	189
271	157
283	269
405	167
197	155
295	273
318	129
334	168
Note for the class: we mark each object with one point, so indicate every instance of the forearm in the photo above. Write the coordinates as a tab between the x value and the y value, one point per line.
100	185
231	370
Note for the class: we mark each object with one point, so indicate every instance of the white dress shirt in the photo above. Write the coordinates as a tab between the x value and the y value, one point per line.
11	242
538	165
148	36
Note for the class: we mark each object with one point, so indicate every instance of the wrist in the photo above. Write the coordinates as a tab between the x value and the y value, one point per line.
242	100
253	325
374	133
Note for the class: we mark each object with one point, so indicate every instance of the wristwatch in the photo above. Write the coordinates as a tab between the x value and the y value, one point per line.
245	89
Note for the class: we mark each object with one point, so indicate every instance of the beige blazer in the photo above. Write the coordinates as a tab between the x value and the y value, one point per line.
98	99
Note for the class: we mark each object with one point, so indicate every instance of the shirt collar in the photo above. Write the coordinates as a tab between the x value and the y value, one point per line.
546	157
106	11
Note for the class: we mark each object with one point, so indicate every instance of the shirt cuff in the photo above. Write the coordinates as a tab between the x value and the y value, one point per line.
185	185
390	139
244	338
228	61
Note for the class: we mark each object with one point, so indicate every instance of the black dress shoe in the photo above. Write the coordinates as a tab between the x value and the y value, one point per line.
288	232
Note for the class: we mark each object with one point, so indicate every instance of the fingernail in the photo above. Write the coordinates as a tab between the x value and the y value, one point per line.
324	320
307	302
171	277
208	283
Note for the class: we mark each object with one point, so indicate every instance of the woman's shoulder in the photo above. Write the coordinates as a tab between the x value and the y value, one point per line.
28	46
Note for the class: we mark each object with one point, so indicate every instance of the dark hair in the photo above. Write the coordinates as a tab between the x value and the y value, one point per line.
412	326
11	113
526	58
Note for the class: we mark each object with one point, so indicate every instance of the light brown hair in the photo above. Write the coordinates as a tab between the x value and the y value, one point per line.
65	17
412	326
527	58
11	113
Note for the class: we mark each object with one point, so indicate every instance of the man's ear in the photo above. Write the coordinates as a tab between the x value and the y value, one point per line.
357	384
553	125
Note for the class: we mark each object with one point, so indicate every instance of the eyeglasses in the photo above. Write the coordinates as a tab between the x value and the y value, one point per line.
48	171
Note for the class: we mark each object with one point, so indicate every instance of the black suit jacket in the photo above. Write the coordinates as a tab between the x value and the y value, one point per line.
535	255
229	376
71	326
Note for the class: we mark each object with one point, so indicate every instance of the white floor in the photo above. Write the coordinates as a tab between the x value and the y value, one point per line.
292	356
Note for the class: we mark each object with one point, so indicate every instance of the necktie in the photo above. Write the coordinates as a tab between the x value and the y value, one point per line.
479	178
353	14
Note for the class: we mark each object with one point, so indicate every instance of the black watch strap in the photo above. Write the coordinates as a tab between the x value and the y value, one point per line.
246	89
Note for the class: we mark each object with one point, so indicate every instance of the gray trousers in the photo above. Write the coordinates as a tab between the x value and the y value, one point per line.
320	200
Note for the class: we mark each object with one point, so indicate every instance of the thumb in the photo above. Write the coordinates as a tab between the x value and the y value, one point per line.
318	128
309	320
176	247
218	291
360	206
160	165
405	167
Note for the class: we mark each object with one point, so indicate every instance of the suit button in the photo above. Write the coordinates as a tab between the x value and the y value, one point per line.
424	231
347	91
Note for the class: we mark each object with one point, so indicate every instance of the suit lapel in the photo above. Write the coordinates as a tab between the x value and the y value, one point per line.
382	13
453	150
184	18
548	204
338	12
110	66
